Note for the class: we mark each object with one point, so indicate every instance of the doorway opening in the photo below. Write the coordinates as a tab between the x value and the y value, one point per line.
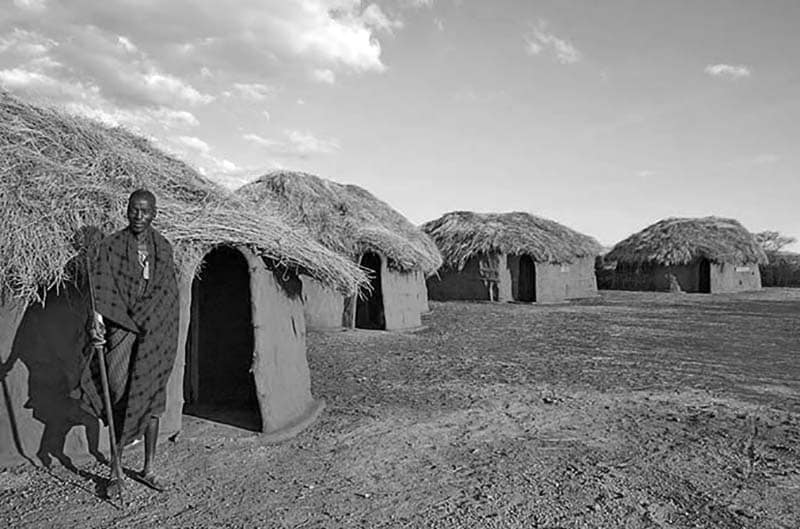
704	276
218	383
526	281
369	311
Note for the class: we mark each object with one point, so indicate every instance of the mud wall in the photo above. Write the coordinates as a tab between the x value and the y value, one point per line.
41	348
559	282
323	306
401	298
422	293
656	278
467	283
280	366
727	277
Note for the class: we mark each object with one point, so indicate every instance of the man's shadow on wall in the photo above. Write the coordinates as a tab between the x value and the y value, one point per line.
50	341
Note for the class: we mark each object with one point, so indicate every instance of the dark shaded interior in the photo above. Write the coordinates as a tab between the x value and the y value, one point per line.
369	311
704	276
218	384
526	286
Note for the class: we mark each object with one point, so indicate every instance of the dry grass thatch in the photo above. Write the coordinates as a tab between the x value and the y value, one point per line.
345	218
60	174
676	241
461	235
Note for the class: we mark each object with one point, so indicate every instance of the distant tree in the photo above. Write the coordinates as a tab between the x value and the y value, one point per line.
773	241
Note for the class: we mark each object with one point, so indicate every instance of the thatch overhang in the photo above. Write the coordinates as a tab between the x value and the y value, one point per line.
345	218
461	235
678	241
62	174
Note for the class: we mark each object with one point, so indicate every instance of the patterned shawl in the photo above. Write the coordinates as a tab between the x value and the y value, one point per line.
152	317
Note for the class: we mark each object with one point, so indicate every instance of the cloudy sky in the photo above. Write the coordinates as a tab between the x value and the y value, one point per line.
605	116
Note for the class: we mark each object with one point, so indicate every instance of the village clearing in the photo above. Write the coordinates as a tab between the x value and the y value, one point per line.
633	410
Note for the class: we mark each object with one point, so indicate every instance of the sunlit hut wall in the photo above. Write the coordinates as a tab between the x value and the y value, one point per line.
352	222
64	182
709	254
510	257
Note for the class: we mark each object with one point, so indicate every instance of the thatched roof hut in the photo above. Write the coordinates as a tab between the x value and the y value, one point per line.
351	221
346	218
461	235
64	182
708	254
677	241
61	173
510	256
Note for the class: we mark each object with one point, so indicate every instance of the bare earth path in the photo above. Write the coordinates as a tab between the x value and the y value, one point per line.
633	410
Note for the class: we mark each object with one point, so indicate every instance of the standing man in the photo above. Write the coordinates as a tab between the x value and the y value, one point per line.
136	296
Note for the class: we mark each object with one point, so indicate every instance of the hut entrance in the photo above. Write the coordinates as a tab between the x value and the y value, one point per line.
217	384
526	283
704	276
369	311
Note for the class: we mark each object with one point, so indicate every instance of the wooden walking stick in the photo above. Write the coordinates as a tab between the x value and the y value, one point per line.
100	353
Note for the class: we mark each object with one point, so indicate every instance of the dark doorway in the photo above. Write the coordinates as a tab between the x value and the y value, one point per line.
218	384
526	282
369	311
704	276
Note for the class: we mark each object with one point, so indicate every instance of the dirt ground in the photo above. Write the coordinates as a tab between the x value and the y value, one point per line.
634	410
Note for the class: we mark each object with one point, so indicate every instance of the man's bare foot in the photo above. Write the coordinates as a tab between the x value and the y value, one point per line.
151	480
114	488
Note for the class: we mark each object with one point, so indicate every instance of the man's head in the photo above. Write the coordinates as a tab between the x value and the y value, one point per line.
141	210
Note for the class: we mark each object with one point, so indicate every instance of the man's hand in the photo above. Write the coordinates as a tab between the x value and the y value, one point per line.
97	330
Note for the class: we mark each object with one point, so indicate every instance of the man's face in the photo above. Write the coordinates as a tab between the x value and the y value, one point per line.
141	213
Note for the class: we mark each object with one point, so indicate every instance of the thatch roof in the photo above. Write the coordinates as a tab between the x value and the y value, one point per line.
345	218
676	241
60	174
461	235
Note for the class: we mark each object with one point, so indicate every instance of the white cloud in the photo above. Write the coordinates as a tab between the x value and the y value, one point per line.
33	5
323	76
307	143
126	44
540	39
728	70
254	91
172	87
141	55
42	84
645	173
766	159
194	143
261	141
295	143
375	18
113	116
266	115
439	23
417	3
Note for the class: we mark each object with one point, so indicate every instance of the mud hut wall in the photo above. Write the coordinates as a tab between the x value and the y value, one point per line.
558	282
280	366
505	278
453	284
727	277
171	420
401	298
422	292
17	425
42	346
323	306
